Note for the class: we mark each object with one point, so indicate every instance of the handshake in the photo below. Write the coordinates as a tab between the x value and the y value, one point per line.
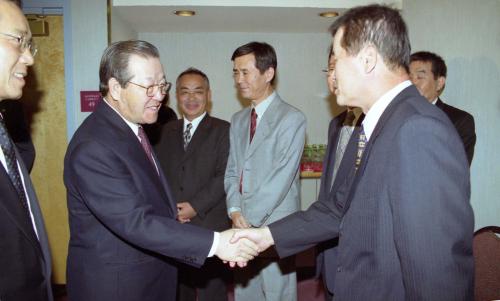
238	246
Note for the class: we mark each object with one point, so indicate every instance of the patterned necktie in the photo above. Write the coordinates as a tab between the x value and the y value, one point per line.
253	124
344	136
187	135
361	147
146	146
11	162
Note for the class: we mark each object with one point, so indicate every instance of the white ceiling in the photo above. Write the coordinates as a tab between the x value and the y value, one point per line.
297	16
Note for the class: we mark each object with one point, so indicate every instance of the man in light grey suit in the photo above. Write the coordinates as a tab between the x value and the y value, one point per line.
262	174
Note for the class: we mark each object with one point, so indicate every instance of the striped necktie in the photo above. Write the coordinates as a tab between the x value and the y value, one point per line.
11	162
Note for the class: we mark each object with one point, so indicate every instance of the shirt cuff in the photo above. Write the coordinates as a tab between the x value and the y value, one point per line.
215	244
231	210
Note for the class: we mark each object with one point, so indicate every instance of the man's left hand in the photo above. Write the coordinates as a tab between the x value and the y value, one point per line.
185	212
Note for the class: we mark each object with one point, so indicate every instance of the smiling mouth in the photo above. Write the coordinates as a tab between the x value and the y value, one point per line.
20	75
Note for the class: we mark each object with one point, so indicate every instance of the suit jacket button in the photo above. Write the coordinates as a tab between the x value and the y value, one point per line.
182	168
339	269
181	188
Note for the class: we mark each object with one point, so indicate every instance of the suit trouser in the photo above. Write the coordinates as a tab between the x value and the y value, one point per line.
209	282
266	279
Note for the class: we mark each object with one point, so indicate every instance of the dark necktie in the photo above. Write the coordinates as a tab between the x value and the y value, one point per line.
253	123
146	146
187	135
253	126
11	162
344	136
361	147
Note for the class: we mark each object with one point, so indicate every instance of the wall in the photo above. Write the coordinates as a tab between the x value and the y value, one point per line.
120	30
467	35
301	57
44	97
85	38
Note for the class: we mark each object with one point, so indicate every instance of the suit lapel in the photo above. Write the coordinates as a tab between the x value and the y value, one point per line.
130	142
14	209
265	126
384	118
332	149
43	241
198	137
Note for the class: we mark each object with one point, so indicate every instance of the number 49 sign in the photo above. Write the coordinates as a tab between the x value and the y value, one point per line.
89	100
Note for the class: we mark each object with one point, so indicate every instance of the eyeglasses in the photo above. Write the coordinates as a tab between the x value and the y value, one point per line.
23	43
153	89
328	71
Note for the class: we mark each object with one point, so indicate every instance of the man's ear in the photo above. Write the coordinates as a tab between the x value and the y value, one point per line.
369	56
440	83
115	88
269	73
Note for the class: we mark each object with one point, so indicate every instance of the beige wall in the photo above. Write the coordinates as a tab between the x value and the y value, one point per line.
47	107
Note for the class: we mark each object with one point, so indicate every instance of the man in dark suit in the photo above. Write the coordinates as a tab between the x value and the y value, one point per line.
24	250
123	232
193	155
339	133
428	74
401	204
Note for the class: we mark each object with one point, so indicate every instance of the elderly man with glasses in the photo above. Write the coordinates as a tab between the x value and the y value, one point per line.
124	236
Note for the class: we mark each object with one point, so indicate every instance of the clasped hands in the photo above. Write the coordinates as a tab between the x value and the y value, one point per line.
238	246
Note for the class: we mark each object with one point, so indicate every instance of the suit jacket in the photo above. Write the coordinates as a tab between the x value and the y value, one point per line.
24	258
123	232
464	123
13	115
196	175
403	220
327	251
153	130
269	165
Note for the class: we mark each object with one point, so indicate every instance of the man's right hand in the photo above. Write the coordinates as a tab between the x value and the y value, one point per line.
262	237
239	220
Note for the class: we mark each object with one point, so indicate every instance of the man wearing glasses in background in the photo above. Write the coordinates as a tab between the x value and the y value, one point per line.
122	214
24	251
340	130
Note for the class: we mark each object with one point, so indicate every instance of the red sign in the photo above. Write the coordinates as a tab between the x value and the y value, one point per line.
89	100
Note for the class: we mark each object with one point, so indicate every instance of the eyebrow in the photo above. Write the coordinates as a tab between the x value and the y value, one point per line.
196	88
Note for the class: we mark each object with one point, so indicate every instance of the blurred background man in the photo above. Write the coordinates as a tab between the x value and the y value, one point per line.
428	74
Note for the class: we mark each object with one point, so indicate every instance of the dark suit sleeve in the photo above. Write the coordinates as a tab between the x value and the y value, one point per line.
211	194
121	200
467	131
304	229
433	222
320	222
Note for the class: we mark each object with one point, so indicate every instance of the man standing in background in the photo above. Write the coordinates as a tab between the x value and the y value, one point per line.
25	261
193	155
262	175
340	131
428	74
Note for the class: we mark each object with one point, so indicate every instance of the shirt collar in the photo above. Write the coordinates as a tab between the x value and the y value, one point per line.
133	126
195	122
378	108
261	108
435	101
